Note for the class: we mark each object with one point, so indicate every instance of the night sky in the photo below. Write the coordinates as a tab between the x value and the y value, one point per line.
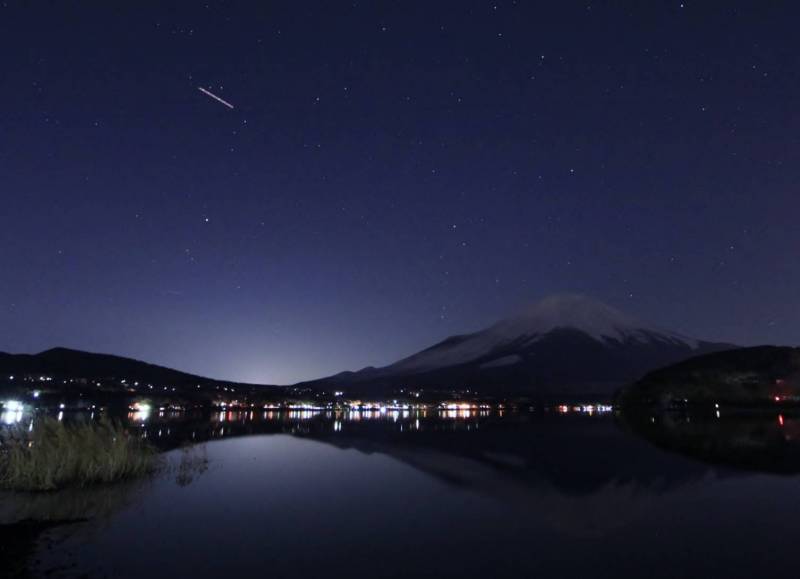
391	173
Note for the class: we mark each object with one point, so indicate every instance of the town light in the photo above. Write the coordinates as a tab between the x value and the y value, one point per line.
141	412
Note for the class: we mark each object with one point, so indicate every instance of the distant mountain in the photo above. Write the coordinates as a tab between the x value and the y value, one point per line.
562	346
743	376
565	344
64	364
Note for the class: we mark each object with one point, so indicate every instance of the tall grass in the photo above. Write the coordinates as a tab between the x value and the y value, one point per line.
58	455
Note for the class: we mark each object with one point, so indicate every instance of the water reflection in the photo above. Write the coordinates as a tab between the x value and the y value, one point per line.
168	428
754	440
9	417
520	492
183	466
12	412
517	495
68	505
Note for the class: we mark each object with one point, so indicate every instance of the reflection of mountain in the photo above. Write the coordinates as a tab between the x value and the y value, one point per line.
609	505
564	344
577	455
584	475
758	441
697	407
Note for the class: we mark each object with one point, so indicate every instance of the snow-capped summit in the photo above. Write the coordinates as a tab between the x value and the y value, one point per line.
564	340
591	317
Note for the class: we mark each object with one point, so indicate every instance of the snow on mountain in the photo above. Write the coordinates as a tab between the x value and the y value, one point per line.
591	317
563	345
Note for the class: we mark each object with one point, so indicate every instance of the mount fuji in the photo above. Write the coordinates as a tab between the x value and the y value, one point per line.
563	345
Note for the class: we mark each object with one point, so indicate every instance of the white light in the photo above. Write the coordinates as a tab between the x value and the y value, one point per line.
12	405
12	412
141	412
10	417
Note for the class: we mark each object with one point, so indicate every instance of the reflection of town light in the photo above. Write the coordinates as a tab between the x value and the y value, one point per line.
11	417
459	406
780	419
589	409
12	412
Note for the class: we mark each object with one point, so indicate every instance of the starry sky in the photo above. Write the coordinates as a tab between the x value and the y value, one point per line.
391	173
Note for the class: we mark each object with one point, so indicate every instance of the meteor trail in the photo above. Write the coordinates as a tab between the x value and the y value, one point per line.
215	97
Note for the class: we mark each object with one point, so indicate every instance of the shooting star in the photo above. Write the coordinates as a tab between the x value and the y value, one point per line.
215	97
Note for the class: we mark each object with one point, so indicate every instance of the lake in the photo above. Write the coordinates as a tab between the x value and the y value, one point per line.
466	494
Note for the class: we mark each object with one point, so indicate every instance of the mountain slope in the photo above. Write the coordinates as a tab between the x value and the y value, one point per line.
64	363
563	344
746	376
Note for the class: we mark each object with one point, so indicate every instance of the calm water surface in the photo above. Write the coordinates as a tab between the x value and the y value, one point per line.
462	496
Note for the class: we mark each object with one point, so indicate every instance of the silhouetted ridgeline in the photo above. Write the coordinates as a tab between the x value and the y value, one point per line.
75	374
745	376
